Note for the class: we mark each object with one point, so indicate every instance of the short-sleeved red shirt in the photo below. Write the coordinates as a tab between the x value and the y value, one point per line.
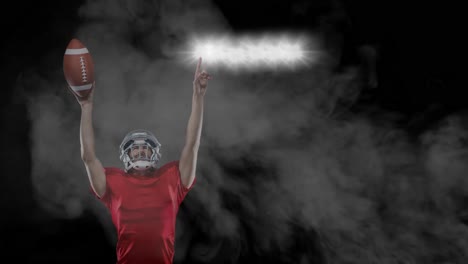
144	210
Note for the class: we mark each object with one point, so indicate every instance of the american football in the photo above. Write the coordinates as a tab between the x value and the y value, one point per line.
78	68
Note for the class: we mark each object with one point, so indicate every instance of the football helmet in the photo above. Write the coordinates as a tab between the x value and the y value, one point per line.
137	139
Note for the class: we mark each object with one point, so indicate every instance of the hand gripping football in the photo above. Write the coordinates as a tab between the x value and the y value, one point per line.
78	68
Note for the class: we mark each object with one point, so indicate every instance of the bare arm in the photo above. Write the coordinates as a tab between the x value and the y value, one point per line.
188	159
94	168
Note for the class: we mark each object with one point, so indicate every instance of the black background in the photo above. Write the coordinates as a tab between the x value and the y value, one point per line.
419	71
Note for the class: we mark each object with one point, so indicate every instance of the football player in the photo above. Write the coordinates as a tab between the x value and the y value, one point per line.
143	198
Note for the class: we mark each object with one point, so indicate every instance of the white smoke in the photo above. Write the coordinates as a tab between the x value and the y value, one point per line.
372	193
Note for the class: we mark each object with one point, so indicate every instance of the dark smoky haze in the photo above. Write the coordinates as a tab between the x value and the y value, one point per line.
294	165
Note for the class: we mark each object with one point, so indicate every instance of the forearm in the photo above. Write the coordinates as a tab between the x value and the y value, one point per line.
87	133
195	123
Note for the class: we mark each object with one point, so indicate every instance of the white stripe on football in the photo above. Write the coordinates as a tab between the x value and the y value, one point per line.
76	51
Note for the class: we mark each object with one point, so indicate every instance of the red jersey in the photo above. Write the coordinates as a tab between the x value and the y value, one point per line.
144	210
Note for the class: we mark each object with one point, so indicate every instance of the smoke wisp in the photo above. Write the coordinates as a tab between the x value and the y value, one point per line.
282	158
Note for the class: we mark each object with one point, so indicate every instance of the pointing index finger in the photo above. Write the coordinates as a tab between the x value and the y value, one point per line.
197	71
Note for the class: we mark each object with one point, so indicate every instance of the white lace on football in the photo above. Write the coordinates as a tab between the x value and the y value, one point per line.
84	76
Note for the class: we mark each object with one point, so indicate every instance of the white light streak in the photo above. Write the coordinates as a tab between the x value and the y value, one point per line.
253	52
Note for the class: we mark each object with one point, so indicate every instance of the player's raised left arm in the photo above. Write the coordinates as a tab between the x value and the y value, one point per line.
188	159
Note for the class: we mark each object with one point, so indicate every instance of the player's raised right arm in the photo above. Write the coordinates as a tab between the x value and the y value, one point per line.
93	166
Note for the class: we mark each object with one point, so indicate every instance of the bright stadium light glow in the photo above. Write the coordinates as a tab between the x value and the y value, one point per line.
253	51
